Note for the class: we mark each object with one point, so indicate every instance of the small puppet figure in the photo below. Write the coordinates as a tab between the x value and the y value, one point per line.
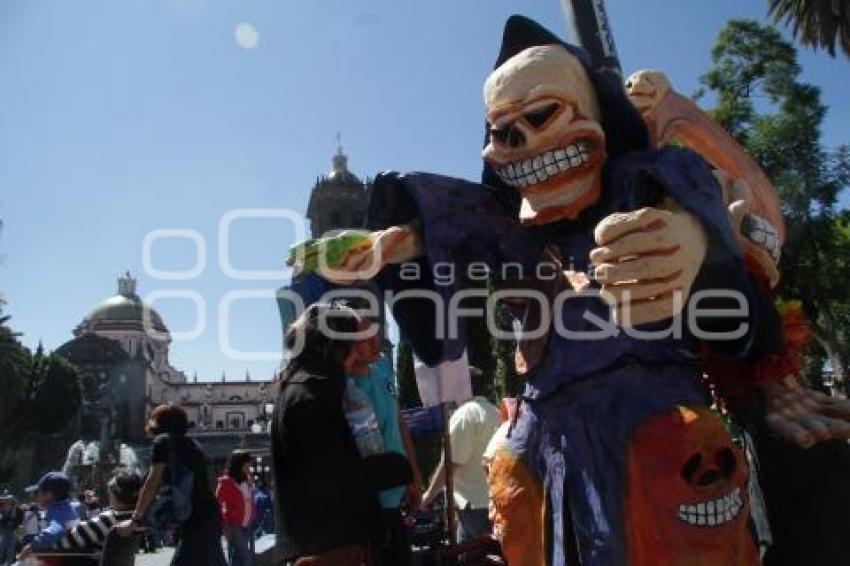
603	247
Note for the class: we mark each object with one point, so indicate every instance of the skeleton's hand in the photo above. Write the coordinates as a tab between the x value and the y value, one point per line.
331	251
757	236
647	261
353	255
803	416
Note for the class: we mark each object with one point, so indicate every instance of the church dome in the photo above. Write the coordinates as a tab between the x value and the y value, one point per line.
123	312
338	200
340	175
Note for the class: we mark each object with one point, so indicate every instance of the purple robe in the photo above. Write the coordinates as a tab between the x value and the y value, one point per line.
584	398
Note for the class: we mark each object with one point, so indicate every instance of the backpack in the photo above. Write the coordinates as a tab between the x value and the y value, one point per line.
173	503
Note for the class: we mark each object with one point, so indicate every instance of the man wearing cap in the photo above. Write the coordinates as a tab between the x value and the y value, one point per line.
52	493
123	491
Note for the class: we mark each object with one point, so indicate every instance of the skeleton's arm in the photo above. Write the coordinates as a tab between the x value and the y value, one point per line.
357	256
401	243
803	416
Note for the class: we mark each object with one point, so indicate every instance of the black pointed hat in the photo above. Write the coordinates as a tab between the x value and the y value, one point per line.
624	128
520	34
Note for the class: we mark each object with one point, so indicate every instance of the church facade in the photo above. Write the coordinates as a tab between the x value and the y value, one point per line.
122	349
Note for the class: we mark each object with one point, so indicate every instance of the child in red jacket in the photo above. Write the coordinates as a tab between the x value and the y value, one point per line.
235	494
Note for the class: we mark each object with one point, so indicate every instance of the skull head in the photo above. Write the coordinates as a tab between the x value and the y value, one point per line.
545	137
646	88
687	491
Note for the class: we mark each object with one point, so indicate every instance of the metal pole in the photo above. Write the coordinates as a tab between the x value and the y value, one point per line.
449	473
588	21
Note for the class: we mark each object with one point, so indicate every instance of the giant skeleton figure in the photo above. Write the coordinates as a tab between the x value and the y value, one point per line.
756	216
615	458
803	461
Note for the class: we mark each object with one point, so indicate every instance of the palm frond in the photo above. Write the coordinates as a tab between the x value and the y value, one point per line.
821	24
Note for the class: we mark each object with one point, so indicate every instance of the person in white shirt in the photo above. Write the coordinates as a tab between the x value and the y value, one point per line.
32	522
470	429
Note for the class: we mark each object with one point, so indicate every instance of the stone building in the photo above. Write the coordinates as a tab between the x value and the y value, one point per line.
338	200
122	351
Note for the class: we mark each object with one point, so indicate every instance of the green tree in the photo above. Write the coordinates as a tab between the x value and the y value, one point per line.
55	393
762	103
507	382
14	364
816	23
41	392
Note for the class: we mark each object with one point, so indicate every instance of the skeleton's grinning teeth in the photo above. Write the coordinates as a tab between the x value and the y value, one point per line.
713	513
540	168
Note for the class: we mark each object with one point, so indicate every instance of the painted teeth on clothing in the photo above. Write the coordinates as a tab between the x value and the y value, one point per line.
713	513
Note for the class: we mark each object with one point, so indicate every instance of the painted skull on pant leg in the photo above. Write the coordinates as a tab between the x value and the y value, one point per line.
687	499
545	137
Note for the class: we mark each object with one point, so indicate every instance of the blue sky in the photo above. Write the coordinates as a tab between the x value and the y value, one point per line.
118	118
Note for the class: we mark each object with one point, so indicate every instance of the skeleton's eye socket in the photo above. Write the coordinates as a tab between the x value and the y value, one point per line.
726	460
540	116
691	467
500	134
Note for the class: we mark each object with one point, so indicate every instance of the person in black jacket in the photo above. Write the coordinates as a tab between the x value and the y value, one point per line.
11	518
199	536
326	494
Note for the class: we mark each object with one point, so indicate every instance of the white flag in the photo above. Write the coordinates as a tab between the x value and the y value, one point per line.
445	383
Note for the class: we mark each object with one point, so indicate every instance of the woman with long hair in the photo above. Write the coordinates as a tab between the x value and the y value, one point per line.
327	505
235	494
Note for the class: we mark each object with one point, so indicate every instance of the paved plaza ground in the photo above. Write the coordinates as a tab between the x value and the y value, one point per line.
163	556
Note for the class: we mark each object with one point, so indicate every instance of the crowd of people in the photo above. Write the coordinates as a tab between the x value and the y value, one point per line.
58	528
347	482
